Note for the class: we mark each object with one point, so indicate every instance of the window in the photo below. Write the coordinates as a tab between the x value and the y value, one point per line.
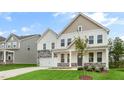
69	41
91	57
8	45
28	48
62	42
14	44
79	28
99	56
68	58
44	46
62	57
53	45
91	39
99	39
3	46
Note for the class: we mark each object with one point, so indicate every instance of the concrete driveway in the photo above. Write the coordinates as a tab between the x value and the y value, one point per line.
14	72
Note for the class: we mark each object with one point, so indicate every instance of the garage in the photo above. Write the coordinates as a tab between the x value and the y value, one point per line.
47	62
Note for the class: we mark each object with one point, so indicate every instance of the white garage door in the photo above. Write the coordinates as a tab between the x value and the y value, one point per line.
47	62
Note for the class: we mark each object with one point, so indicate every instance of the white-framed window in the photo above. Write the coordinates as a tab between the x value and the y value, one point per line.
62	42
52	45
44	46
91	57
14	44
91	39
80	28
99	39
69	41
62	58
99	56
9	45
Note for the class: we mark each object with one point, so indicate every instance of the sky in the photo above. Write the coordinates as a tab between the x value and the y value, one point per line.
26	23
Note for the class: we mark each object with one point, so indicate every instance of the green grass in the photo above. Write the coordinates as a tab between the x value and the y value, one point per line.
113	74
14	66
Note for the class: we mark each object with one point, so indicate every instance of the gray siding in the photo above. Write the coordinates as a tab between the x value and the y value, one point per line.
25	56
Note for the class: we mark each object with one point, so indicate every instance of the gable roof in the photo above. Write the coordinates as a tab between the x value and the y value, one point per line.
21	37
45	33
88	18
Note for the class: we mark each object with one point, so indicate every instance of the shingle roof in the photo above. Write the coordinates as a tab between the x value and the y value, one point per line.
23	37
2	38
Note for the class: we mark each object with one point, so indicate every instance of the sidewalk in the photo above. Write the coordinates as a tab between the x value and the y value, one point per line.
11	73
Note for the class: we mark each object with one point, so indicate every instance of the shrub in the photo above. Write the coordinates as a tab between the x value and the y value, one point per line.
93	67
80	68
89	68
97	69
85	67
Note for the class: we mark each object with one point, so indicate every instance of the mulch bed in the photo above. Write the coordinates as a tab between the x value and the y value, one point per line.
86	78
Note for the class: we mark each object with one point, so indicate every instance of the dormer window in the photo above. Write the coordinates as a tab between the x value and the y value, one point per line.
14	44
80	28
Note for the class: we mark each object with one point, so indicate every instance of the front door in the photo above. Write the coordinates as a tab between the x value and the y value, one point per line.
79	59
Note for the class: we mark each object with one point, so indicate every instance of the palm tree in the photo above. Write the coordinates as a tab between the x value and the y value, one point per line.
81	45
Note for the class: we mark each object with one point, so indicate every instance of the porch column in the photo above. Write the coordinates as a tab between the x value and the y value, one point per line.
52	56
107	59
70	53
13	57
4	56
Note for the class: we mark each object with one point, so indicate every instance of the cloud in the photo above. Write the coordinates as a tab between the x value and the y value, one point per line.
25	29
66	14
6	16
13	30
1	33
30	28
122	37
100	17
103	18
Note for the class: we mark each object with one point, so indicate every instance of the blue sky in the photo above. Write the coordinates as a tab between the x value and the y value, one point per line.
22	23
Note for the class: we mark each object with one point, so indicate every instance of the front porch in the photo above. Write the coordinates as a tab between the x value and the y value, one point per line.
6	57
74	59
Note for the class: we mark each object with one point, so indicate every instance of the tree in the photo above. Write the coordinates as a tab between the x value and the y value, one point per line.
81	45
118	48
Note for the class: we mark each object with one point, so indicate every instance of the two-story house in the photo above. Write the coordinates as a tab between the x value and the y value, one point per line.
59	49
19	49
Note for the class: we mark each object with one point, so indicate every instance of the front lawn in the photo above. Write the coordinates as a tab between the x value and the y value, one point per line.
14	66
113	74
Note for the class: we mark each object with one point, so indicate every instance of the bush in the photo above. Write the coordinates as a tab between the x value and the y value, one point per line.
80	68
97	69
85	67
89	68
93	67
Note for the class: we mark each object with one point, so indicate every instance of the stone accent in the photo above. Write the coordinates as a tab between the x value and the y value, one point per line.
63	64
95	64
74	64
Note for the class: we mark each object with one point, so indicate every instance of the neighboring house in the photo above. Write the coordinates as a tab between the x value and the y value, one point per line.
59	50
19	49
